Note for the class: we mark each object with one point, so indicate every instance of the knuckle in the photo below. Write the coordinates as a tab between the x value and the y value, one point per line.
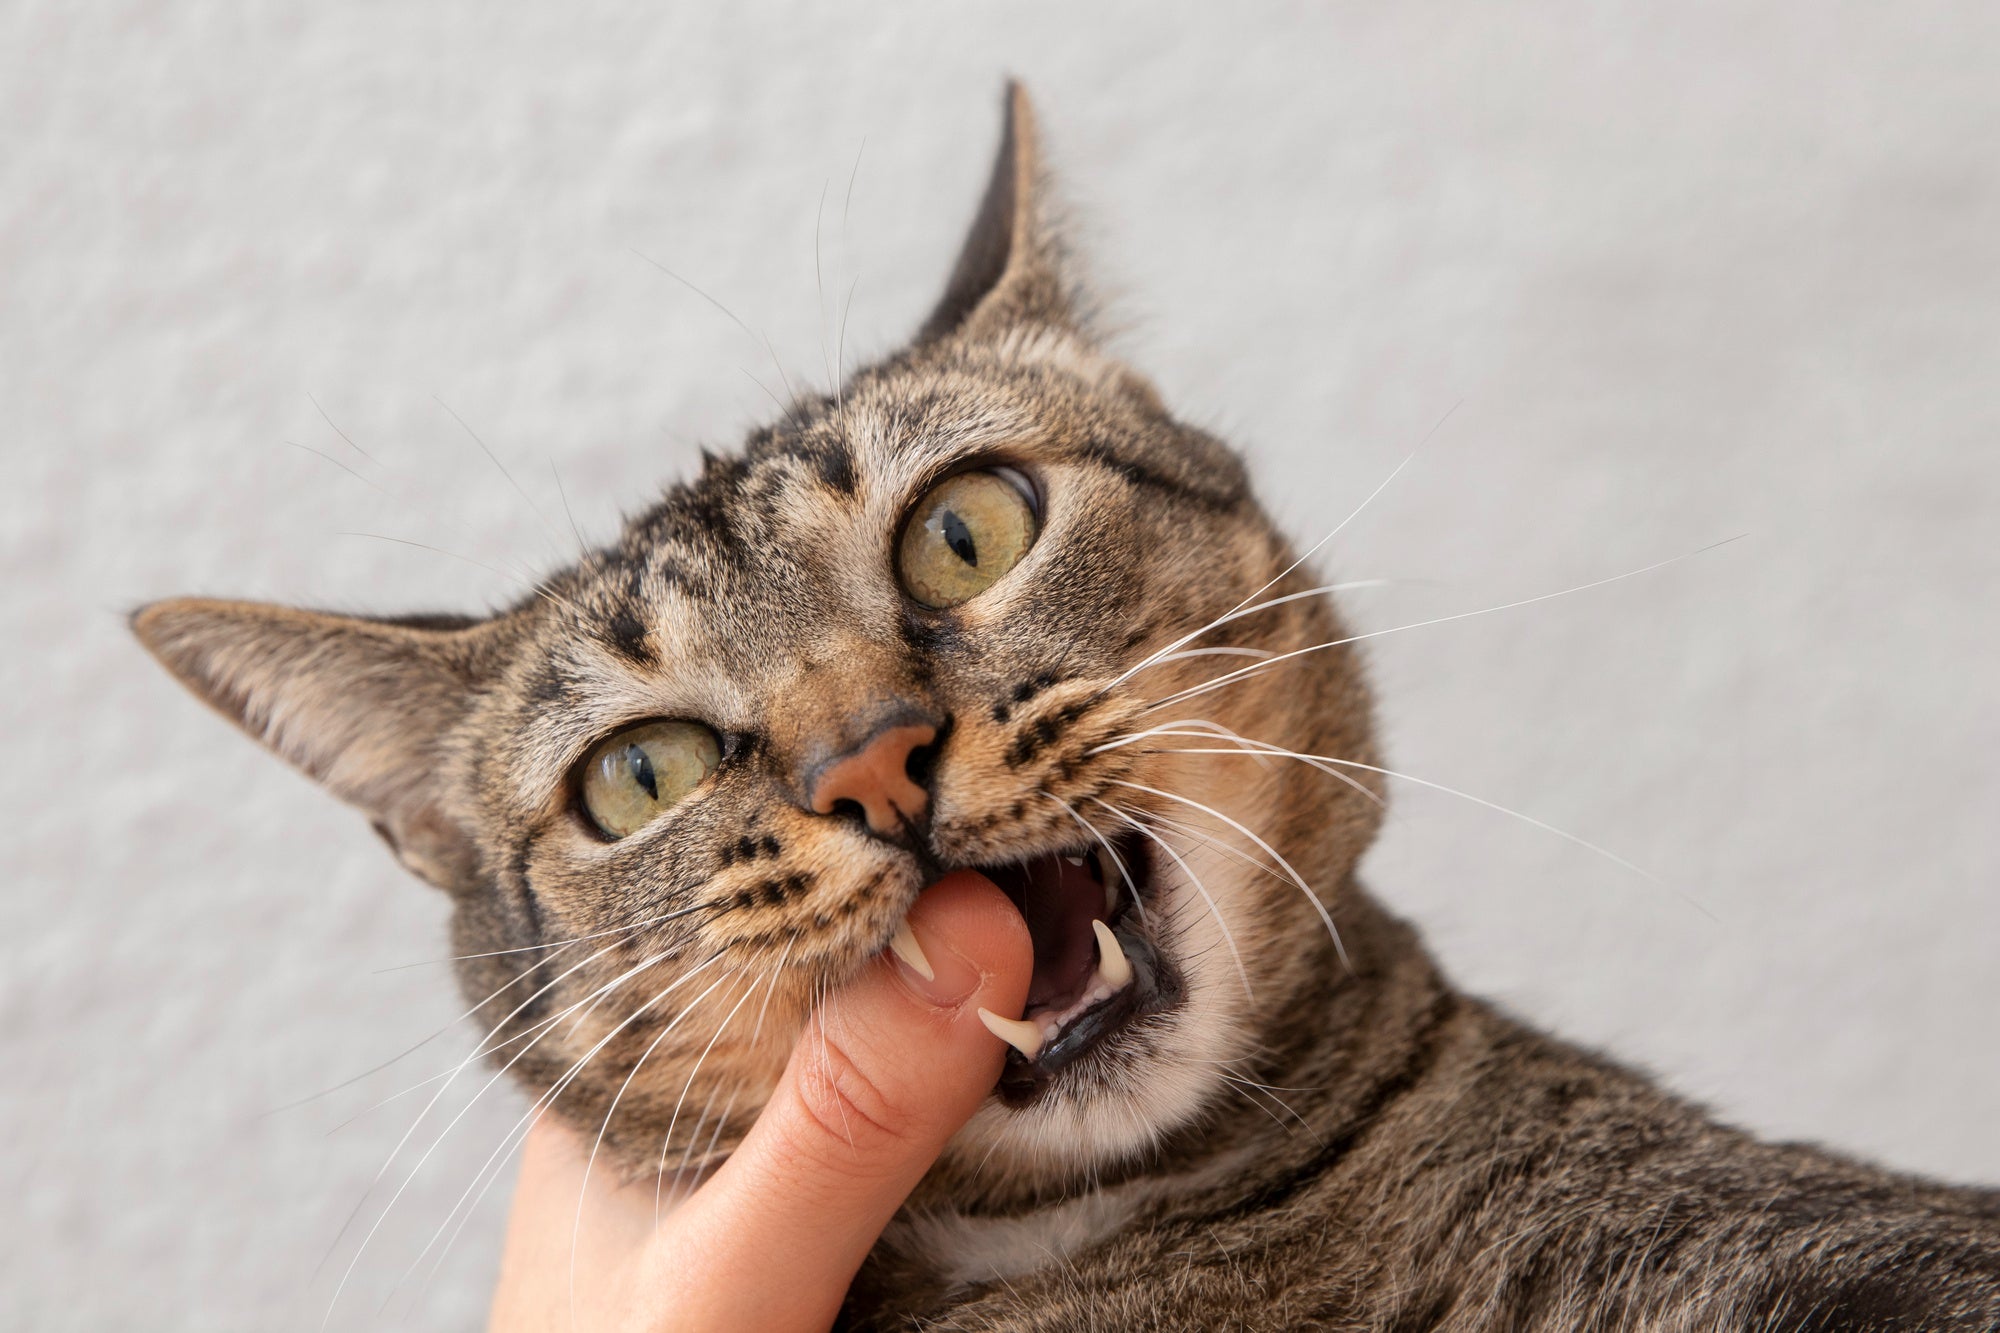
848	1108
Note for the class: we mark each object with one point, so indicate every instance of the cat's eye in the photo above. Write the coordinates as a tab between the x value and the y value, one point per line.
632	776
966	533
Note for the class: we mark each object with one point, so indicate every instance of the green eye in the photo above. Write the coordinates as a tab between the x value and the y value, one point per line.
967	532
642	770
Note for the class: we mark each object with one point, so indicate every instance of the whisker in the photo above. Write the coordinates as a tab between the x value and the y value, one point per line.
1184	655
479	1049
756	1031
775	400
341	433
819	288
1237	612
1339	527
1316	761
1228	937
494	459
681	1100
1124	872
667	1139
1203	838
533	587
1325	916
582	546
599	995
412	1050
576	1226
1244	608
731	315
540	1105
675	915
1242	672
319	453
1248	1086
1165	729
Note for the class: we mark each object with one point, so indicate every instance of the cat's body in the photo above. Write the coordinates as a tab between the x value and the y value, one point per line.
989	605
1434	1164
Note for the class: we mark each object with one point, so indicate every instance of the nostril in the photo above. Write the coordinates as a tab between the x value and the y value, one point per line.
848	809
920	764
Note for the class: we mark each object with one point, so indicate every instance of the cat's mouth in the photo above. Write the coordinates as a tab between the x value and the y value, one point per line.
1096	968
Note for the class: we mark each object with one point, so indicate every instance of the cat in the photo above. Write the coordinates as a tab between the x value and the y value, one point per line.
989	604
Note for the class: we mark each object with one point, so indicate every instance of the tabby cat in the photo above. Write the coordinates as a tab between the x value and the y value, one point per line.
989	604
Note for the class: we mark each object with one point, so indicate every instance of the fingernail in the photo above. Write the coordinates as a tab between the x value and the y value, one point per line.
937	973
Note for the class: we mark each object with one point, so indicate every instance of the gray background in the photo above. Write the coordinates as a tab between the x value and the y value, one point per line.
1687	271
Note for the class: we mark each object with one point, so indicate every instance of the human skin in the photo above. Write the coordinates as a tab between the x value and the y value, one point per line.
892	1065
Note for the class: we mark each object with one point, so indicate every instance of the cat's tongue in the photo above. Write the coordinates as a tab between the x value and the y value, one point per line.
1059	897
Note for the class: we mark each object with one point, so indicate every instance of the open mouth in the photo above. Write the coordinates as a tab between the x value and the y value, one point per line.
1096	968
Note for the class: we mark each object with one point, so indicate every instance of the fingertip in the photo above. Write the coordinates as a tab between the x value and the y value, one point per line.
966	915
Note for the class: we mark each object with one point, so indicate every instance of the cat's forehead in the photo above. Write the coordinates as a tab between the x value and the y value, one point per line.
856	460
786	542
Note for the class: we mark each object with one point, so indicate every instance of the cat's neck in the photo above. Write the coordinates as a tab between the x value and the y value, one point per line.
1359	1034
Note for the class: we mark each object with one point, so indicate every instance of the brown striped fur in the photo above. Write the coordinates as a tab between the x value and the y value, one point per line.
1417	1159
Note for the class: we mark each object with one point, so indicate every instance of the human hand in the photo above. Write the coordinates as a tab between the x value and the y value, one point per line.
773	1239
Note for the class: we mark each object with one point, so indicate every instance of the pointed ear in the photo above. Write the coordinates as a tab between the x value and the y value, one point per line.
363	706
1013	268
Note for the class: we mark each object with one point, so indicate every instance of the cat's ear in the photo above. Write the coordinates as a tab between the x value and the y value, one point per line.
1013	269
363	706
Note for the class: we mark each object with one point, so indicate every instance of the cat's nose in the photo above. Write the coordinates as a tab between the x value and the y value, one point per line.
885	776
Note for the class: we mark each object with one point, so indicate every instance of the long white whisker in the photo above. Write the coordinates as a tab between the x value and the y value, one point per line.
1186	653
1124	872
1168	729
494	459
1325	916
338	431
675	915
1203	838
519	1130
1240	610
1244	608
498	1074
1241	672
479	1049
1394	473
1228	937
537	589
408	1051
1316	761
576	1226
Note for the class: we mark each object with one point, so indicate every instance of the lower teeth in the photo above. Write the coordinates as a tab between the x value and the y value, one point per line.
1031	1035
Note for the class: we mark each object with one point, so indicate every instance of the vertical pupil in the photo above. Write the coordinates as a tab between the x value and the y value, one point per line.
958	537
641	768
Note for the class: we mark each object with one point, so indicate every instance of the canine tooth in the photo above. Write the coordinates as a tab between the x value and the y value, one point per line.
1076	861
1019	1033
1111	963
904	943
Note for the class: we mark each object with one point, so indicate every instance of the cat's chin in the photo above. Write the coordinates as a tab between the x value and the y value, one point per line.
1098	967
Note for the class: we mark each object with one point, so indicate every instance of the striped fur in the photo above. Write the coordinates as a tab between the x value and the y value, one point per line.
1312	1141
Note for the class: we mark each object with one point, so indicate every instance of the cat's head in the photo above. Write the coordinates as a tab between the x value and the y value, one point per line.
973	609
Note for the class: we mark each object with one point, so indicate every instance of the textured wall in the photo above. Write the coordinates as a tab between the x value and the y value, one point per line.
1686	271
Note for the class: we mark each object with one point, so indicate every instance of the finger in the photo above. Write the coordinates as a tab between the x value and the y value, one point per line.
885	1073
552	1269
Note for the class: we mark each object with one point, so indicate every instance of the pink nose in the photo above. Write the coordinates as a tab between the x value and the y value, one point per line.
876	777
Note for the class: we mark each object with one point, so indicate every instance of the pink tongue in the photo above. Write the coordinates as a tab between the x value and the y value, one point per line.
1058	901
